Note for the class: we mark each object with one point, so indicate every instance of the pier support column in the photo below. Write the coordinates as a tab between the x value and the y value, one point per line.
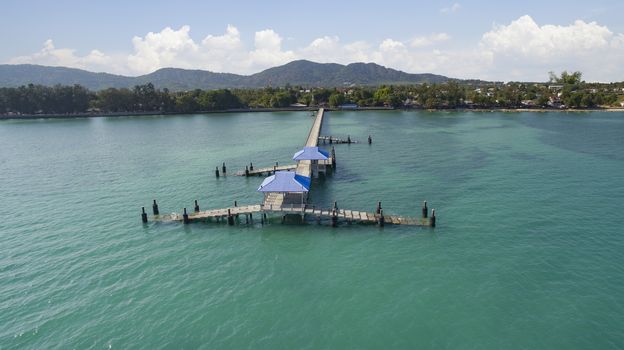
370	140
334	218
196	206
217	172
333	154
250	166
246	171
382	219
143	215
432	220
349	139
230	218
155	208
223	168
424	210
378	211
185	217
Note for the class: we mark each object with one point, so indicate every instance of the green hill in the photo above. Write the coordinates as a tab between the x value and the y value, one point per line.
301	72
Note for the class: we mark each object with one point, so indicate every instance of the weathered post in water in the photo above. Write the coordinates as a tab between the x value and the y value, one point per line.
250	166
185	217
349	139
143	215
223	168
333	154
432	220
217	172
196	206
370	140
424	210
155	208
334	218
382	219
246	171
378	211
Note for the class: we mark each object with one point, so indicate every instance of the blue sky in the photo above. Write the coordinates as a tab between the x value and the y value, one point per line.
466	39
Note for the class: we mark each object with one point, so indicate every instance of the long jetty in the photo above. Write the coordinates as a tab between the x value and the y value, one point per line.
275	203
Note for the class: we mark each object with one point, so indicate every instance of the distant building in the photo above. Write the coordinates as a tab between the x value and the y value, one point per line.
348	106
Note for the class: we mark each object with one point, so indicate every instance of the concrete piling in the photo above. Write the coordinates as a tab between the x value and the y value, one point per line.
334	218
246	171
370	140
378	211
217	172
382	219
250	166
432	220
424	210
143	215
223	168
349	139
196	206
155	208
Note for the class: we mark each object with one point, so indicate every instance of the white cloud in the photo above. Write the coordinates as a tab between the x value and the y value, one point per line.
268	51
167	48
51	56
519	50
531	50
525	37
450	9
422	41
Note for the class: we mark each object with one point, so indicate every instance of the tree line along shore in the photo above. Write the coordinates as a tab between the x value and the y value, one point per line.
564	92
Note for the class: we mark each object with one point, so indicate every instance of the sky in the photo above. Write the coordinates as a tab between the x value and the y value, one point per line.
491	40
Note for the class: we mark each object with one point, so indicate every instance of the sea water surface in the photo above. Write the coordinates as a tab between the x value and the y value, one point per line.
528	252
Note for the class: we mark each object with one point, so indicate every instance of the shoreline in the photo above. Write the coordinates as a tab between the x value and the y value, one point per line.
298	109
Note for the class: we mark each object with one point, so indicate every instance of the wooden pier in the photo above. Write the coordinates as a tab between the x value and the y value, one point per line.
309	213
286	204
332	140
265	170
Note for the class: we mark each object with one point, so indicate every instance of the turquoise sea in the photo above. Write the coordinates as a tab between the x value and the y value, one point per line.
528	252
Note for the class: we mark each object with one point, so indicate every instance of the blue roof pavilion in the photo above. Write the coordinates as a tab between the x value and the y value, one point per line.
311	153
285	182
